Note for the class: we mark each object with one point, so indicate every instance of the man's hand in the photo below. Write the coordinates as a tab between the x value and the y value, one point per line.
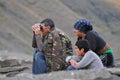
36	28
73	62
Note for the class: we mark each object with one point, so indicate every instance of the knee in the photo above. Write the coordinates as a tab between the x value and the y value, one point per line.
39	55
70	68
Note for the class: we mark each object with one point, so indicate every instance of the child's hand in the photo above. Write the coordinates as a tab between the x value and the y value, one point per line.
73	62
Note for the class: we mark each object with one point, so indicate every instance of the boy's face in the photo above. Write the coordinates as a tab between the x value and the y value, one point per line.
79	52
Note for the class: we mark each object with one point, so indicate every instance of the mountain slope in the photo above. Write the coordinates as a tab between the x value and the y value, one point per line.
17	17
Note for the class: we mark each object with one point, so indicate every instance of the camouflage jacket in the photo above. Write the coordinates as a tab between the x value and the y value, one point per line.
54	50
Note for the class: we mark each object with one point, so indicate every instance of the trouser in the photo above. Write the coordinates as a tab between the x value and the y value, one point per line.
70	68
39	63
107	60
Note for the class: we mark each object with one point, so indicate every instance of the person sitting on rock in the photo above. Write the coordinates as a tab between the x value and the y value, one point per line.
49	50
84	58
83	29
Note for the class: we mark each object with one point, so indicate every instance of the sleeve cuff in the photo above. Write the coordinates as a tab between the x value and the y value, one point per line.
68	59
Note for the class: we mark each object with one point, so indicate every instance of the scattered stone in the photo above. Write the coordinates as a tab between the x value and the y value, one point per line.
12	69
114	71
2	76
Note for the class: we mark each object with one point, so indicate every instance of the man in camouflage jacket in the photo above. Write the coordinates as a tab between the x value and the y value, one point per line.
49	53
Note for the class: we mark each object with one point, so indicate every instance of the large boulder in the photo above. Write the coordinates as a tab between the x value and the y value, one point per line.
11	67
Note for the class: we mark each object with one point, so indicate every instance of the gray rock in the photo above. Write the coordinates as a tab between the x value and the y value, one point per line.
114	71
102	74
9	63
22	76
77	75
12	71
2	76
10	67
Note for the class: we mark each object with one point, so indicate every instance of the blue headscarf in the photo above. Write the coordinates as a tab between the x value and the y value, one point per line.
83	25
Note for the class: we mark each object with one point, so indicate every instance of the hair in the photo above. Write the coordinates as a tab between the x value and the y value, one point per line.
83	44
49	22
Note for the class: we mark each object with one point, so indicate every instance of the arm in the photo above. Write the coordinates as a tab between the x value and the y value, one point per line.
66	44
39	42
95	40
34	44
85	61
76	58
38	36
69	49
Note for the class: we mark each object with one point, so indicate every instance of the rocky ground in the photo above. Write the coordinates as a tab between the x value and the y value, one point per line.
13	69
20	68
17	17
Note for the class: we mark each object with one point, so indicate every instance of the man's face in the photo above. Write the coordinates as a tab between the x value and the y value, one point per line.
45	29
77	33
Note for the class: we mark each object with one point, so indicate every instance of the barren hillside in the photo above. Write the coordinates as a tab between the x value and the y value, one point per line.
17	17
